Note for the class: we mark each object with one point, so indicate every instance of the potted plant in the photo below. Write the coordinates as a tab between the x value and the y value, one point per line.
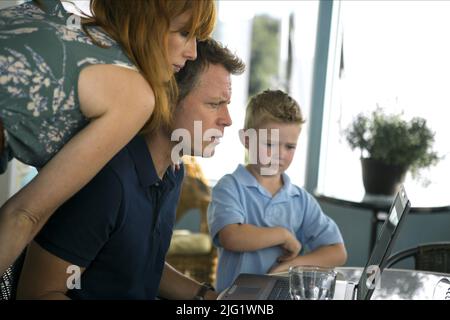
390	146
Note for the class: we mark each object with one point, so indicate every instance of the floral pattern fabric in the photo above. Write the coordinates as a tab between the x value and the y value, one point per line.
42	53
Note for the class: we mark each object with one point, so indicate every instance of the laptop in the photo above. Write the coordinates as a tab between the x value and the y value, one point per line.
274	287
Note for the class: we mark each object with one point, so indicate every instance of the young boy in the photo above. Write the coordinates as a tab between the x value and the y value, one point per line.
257	218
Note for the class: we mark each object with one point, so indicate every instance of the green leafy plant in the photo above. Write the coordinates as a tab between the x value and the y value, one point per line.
392	140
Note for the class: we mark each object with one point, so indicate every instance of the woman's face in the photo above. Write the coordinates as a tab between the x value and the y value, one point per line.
181	47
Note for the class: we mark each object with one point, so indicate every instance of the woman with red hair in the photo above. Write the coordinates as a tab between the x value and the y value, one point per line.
75	90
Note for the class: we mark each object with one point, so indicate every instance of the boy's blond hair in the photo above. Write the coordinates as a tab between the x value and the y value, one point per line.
272	105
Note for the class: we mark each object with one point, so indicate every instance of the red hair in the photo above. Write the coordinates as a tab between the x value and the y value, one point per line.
141	27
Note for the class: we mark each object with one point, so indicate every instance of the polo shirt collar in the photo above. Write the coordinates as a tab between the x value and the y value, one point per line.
288	187
247	179
143	162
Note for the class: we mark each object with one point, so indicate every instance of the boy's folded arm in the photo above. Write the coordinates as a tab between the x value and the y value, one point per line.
333	255
247	237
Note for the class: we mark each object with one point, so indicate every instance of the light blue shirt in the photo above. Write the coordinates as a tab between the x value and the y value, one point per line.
239	198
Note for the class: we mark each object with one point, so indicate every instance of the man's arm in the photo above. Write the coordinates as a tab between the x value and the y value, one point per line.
176	286
325	256
44	275
248	237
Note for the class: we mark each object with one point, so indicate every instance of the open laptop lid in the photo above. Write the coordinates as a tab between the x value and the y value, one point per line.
382	249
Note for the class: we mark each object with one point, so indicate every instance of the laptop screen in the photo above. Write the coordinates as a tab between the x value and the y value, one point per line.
382	249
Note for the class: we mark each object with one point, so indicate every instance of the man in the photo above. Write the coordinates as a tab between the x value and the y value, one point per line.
116	231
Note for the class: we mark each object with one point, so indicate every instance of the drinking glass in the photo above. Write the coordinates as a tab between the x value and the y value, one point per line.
311	283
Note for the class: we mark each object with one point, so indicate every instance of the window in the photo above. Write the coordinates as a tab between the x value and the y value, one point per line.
395	54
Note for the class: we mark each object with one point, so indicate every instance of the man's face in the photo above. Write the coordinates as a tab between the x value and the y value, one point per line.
203	113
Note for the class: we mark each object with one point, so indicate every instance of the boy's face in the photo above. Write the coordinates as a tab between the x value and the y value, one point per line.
203	114
275	153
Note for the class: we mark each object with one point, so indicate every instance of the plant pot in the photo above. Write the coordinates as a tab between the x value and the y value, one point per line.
381	178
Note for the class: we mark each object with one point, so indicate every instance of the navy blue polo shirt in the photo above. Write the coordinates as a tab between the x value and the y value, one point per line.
118	227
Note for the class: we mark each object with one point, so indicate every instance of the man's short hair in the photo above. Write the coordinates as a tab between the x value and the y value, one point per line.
272	105
209	52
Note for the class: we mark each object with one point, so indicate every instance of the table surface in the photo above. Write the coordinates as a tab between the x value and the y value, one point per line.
422	200
401	284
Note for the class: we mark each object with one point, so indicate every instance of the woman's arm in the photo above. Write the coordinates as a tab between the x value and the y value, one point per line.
119	101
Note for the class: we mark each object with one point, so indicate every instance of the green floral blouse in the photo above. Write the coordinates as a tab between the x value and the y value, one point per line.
42	53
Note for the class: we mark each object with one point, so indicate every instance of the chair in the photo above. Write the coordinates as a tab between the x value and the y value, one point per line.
192	253
10	279
427	257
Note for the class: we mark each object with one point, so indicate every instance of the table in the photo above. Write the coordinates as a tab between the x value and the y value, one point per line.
422	202
401	284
